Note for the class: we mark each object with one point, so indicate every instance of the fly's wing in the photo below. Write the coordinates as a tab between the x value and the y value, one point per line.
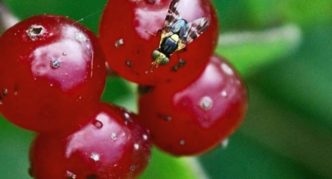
196	28
172	15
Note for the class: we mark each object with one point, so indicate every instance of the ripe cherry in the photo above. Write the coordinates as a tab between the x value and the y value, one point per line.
194	118
130	34
111	146
52	73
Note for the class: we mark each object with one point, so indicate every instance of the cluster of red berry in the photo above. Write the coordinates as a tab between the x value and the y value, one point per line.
53	73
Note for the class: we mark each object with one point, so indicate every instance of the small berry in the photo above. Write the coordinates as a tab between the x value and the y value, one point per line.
131	35
194	118
52	71
106	148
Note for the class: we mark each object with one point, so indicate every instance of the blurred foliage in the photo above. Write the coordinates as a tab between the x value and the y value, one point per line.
282	49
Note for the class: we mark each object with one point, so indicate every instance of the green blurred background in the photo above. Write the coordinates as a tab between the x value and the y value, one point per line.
283	50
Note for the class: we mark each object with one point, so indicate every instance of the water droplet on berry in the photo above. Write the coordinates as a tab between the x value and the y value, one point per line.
80	37
4	92
145	137
227	69
55	63
206	103
70	175
224	93
95	157
51	84
35	31
129	63
114	136
98	124
182	142
136	146
224	143
119	43
127	118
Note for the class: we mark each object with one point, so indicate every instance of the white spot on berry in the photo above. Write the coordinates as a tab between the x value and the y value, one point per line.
182	142
70	175
145	137
206	103
114	136
119	43
227	69
224	93
35	31
80	37
136	146
95	157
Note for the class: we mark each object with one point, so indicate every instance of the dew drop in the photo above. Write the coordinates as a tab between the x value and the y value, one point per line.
35	31
95	157
145	137
224	93
98	124
206	103
129	63
4	92
70	175
119	43
227	69
114	136
55	63
136	146
182	142
80	37
127	118
15	93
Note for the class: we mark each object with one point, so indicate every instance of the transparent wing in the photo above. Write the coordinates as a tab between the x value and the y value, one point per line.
196	28
172	14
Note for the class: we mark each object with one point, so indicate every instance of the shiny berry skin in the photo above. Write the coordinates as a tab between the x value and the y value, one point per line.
111	146
130	32
52	73
193	119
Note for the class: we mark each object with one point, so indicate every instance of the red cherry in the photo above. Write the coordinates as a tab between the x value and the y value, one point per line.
131	33
111	146
193	119
52	73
